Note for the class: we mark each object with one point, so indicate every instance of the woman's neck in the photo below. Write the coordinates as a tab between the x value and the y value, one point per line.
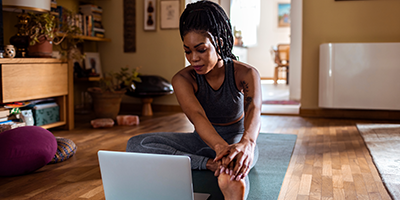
217	71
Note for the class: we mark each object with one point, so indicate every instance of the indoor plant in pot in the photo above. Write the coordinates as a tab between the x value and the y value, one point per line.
107	97
44	30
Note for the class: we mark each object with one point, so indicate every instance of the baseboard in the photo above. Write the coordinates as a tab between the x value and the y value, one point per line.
137	108
351	114
271	78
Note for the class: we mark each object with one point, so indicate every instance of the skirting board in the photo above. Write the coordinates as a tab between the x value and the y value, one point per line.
351	114
137	108
321	113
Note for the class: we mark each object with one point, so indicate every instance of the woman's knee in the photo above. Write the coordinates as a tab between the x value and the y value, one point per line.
134	142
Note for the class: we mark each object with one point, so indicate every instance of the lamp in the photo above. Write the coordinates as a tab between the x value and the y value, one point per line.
21	39
32	5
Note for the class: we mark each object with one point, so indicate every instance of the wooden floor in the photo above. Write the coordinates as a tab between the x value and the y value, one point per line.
330	160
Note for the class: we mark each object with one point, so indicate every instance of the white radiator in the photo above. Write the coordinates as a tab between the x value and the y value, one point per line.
359	76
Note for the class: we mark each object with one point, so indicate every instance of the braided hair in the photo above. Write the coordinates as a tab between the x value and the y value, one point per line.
207	16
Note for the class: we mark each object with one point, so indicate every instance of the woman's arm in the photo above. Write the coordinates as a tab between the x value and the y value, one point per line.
242	153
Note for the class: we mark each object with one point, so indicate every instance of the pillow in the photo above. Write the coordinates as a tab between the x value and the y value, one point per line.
65	149
25	149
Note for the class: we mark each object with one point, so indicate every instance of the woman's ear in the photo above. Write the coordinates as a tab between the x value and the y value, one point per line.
222	42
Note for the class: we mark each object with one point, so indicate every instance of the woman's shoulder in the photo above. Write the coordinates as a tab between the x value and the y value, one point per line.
243	68
186	74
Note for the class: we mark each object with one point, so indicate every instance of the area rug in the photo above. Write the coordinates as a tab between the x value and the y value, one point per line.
281	102
383	142
266	178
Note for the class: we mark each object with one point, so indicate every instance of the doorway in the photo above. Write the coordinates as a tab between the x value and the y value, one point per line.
278	98
291	35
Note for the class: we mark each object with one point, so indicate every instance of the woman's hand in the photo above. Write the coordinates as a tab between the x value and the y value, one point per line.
235	159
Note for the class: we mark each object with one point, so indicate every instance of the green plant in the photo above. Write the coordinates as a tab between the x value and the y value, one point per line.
120	81
48	26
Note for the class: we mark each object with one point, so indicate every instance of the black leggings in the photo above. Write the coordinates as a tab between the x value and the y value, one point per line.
189	144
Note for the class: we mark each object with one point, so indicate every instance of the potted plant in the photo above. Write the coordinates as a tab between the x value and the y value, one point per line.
45	29
107	97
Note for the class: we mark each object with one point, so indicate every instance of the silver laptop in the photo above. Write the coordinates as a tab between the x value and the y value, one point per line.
141	176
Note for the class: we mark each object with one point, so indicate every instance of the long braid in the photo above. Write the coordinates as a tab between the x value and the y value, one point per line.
209	17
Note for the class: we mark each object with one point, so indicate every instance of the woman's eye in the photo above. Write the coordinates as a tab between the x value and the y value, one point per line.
187	52
202	50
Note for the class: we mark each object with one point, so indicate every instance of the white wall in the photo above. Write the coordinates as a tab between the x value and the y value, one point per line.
268	35
296	49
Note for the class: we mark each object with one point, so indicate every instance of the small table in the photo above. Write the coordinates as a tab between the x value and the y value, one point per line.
148	89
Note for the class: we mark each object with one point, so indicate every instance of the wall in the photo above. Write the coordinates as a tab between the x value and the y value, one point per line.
342	21
157	52
268	35
296	36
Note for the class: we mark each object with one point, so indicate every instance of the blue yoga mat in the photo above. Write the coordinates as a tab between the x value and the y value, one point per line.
275	151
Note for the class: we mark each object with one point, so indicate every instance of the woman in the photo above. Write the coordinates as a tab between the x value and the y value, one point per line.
220	96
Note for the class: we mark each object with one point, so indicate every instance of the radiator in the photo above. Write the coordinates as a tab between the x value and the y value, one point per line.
359	76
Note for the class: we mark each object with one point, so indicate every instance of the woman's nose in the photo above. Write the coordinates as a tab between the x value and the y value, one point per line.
195	57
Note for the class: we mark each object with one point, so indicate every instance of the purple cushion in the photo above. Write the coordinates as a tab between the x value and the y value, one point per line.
25	149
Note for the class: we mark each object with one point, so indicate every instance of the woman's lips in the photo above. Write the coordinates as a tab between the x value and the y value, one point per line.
197	67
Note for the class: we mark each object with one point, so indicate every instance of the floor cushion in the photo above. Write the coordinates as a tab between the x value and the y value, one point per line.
25	149
65	149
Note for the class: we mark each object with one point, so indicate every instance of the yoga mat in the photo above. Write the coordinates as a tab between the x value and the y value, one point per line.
275	151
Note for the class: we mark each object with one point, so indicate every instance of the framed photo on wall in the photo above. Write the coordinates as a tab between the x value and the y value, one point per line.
169	14
150	15
92	62
283	15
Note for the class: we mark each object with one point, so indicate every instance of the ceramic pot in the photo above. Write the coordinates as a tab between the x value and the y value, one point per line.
42	49
106	104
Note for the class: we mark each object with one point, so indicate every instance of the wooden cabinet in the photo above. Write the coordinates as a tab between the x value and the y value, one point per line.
24	79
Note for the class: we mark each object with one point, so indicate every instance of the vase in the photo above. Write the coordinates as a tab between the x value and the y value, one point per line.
9	51
106	104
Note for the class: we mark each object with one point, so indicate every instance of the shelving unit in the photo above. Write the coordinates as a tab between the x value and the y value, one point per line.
24	79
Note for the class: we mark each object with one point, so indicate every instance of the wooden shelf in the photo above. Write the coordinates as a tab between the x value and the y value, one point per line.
25	79
88	79
88	38
96	39
55	124
29	60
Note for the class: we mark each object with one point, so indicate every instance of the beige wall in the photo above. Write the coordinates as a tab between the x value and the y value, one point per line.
342	21
157	52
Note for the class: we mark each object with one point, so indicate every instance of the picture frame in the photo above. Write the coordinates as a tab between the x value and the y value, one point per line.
169	14
92	61
150	15
283	15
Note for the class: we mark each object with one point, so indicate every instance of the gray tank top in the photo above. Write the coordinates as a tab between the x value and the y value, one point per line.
225	104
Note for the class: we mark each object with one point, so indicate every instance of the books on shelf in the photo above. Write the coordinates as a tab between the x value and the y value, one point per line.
90	8
89	19
4	112
3	119
92	15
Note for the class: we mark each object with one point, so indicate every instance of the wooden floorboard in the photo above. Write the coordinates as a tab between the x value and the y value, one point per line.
330	160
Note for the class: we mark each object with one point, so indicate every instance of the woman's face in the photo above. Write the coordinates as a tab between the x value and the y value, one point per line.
200	52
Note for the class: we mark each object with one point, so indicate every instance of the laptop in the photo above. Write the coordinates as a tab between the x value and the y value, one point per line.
142	176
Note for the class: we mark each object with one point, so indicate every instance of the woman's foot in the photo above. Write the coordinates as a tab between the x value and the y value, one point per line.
232	190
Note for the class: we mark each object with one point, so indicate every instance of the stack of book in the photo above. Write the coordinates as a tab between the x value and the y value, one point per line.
92	20
4	112
53	7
